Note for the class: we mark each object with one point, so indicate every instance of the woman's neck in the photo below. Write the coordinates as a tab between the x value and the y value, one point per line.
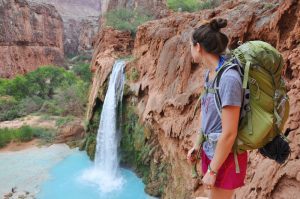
212	61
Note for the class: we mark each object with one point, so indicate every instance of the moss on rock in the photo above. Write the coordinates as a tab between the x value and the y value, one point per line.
140	150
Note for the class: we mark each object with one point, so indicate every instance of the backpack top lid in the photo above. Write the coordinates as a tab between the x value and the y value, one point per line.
261	55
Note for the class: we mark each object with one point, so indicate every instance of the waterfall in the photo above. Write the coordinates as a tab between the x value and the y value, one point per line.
106	157
106	169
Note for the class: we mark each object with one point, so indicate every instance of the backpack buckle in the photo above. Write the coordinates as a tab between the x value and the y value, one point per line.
247	108
277	94
252	81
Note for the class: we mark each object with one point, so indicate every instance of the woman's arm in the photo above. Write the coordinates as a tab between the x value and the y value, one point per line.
230	121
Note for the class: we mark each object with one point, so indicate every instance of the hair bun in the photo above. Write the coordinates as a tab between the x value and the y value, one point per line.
217	24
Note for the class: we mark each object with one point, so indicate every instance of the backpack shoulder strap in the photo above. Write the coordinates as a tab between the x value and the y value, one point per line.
216	83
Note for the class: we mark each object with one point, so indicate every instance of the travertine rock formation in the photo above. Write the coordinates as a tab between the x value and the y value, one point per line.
31	35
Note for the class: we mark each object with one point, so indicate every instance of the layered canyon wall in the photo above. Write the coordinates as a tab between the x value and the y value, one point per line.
31	35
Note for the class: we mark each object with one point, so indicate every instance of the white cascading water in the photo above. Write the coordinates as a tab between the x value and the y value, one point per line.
106	157
106	169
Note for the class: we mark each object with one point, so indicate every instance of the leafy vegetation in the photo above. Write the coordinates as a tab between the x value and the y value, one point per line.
49	89
192	5
92	127
82	70
24	134
134	74
64	120
269	6
133	143
126	19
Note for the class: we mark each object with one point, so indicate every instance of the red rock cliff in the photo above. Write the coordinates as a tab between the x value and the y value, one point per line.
80	19
169	85
31	35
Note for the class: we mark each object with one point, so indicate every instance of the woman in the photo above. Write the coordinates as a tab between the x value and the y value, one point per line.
208	45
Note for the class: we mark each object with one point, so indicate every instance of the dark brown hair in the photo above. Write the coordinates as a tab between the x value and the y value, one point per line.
210	38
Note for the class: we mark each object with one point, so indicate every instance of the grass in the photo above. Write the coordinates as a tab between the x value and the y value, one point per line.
192	5
64	120
24	134
269	6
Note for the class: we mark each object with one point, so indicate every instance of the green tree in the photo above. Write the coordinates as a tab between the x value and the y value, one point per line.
83	71
43	81
17	87
71	100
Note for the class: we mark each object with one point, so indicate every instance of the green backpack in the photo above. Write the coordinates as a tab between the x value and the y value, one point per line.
265	106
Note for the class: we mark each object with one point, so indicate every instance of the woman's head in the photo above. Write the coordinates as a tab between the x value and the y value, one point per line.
207	39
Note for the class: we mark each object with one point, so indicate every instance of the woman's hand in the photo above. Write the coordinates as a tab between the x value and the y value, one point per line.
190	157
209	180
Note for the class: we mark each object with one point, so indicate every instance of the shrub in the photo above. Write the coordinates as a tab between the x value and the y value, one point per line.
134	74
46	135
126	19
71	100
5	137
64	120
24	134
8	108
91	144
16	87
83	71
191	5
29	105
269	6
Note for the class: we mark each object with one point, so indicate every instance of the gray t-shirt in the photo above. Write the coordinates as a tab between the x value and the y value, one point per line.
230	90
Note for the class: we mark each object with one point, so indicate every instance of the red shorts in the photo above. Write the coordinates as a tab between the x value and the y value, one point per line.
227	178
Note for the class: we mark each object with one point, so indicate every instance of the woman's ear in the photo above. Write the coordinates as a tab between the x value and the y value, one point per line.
199	49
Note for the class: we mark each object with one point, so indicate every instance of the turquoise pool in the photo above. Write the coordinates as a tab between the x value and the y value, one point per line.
66	182
57	172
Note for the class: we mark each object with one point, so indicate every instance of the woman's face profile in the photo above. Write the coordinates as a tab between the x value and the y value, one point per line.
195	52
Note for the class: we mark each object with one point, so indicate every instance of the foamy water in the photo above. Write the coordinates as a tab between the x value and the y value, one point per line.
105	183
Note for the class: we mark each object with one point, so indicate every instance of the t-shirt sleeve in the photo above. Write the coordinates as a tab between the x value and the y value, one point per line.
231	90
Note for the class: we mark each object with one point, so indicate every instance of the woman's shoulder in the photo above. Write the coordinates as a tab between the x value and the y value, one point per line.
231	74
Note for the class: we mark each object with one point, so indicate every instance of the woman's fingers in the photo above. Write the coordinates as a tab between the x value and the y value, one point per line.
208	186
208	181
189	155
